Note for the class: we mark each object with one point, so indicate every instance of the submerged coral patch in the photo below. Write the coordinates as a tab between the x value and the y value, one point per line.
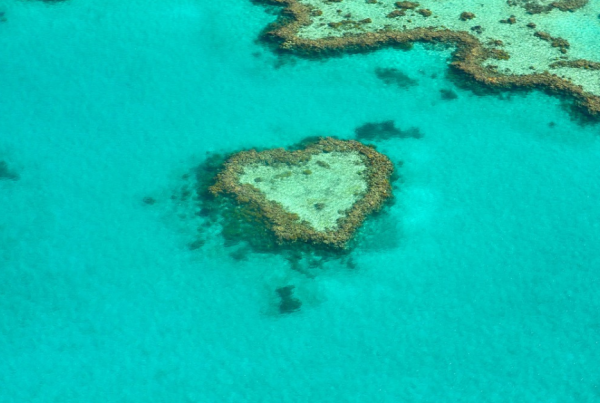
384	131
6	173
448	95
320	194
287	302
544	6
393	76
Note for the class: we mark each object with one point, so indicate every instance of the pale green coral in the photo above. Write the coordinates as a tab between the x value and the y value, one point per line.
319	190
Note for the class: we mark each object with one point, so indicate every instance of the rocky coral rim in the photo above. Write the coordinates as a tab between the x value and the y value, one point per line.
466	59
285	225
562	5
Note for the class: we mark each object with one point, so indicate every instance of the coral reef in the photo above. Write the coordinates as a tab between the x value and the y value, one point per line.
400	24
324	208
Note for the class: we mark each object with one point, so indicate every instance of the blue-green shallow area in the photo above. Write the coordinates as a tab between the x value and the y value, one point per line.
480	284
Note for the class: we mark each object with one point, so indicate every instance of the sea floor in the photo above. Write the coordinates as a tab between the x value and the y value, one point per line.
480	283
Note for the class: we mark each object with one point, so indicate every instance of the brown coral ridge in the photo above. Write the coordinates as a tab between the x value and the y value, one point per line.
577	64
561	43
467	59
563	5
285	225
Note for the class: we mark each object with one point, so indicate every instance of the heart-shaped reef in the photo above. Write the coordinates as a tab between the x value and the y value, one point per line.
320	194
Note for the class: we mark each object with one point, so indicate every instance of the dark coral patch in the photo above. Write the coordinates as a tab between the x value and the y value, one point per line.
6	173
448	95
534	7
394	76
287	302
384	131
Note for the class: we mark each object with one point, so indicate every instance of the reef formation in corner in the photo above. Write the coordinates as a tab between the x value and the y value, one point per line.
514	44
319	194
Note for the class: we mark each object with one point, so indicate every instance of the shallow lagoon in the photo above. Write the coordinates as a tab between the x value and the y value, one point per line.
317	193
479	284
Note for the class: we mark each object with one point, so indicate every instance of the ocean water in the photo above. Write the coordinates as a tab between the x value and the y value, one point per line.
479	284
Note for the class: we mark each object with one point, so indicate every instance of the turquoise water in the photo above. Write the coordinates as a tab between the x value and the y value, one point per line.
480	284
